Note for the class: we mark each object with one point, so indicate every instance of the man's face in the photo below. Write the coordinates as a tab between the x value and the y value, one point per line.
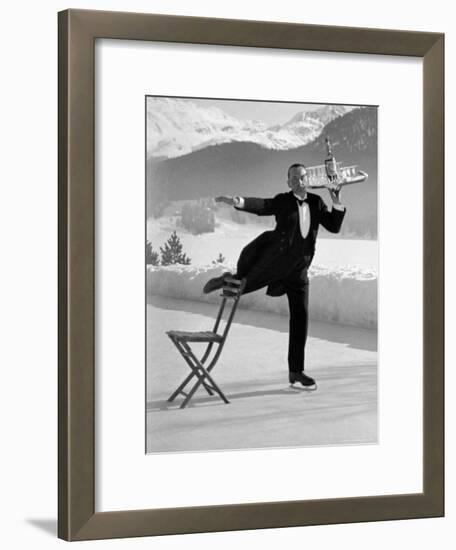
298	180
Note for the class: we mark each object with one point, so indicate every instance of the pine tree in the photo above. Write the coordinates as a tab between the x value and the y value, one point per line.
220	259
171	253
151	255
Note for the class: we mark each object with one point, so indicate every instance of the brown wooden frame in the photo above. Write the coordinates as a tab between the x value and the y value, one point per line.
78	30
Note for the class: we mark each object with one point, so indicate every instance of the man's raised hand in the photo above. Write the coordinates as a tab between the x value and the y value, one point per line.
227	200
334	191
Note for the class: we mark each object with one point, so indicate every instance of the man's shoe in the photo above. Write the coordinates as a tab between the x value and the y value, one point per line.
215	283
302	378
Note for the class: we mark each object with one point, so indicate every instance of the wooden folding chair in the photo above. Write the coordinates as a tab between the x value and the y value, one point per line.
231	294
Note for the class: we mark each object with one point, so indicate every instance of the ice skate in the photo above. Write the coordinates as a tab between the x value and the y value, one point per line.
307	383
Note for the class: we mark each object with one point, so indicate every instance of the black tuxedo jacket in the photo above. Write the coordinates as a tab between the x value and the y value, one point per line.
285	241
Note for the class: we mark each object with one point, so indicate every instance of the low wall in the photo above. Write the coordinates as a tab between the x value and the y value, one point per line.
346	296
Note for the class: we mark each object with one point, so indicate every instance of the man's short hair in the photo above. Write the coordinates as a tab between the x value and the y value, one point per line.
296	165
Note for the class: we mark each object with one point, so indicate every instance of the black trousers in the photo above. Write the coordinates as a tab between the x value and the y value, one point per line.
298	303
262	268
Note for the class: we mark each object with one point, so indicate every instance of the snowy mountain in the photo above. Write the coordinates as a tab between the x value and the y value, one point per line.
313	119
252	170
176	127
351	134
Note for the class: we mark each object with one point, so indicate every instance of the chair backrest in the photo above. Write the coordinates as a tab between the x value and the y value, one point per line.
231	294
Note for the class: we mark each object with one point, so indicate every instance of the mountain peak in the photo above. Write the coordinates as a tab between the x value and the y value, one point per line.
178	126
299	117
323	115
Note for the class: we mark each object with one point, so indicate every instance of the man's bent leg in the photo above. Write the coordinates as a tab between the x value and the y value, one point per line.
216	283
251	255
249	265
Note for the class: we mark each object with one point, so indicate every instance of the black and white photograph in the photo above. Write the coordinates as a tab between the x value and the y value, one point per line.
225	249
261	274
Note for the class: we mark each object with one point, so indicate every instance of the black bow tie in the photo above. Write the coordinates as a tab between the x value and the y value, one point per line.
301	201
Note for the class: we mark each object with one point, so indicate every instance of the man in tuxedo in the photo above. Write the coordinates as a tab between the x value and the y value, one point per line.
280	259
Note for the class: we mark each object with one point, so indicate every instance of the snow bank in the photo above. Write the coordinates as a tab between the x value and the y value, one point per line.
343	295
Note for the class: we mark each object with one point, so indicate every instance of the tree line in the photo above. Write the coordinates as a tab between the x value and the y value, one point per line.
172	253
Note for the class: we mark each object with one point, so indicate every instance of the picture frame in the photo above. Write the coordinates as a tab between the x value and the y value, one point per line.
77	518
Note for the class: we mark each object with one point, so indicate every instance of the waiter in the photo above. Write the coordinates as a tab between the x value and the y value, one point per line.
280	259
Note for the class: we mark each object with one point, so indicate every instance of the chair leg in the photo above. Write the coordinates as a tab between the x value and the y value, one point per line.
202	376
198	371
184	383
194	373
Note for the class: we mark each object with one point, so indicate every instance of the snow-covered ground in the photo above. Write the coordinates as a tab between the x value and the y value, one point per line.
229	238
252	371
347	296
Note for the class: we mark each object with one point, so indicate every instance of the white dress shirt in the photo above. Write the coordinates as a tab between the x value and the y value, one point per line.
304	217
303	209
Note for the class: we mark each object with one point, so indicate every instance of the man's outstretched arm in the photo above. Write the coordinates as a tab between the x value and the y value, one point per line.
260	207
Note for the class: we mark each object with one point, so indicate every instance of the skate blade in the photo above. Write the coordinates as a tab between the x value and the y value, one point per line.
304	388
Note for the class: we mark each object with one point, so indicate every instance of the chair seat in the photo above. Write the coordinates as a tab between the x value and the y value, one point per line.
201	369
187	336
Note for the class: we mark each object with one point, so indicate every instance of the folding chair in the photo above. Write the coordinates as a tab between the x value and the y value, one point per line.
231	294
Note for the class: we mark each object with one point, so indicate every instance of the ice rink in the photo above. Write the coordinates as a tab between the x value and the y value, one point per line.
264	411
